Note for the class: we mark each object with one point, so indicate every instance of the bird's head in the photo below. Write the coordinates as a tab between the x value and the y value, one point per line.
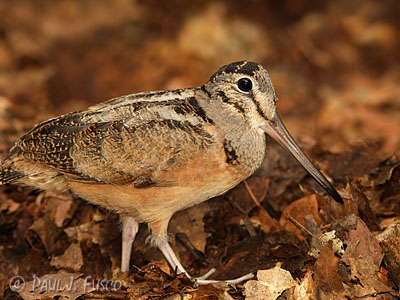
245	89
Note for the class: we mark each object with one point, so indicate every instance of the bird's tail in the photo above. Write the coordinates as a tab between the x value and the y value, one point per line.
8	175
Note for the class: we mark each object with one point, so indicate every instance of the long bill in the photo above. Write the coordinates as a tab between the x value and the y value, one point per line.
278	132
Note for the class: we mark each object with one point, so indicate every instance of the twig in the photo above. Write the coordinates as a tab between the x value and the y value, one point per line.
295	222
255	200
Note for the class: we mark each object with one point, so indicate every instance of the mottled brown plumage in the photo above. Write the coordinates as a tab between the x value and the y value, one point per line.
149	155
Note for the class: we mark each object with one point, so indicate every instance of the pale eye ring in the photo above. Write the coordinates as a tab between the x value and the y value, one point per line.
245	84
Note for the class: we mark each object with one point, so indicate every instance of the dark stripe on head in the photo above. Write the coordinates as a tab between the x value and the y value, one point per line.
259	110
232	102
240	67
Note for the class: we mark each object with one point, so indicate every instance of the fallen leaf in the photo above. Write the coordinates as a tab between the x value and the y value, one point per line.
390	243
364	255
71	259
88	231
304	290
319	242
265	221
364	209
305	212
191	223
363	244
328	283
270	284
9	206
43	232
60	209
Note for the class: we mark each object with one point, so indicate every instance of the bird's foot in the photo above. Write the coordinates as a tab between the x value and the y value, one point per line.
202	281
205	276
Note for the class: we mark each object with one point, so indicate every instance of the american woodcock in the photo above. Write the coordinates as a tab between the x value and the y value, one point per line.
149	155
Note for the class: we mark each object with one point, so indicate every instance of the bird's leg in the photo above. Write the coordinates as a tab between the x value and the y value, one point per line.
129	229
174	262
170	256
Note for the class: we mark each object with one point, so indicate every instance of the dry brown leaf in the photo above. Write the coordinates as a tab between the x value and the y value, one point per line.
320	241
363	205
191	223
363	244
364	256
305	212
9	206
270	284
71	259
265	221
390	242
304	290
88	231
328	283
48	234
60	209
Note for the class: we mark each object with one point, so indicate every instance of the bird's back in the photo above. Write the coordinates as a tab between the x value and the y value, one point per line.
136	139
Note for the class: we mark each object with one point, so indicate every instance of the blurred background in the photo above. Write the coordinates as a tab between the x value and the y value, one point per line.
334	64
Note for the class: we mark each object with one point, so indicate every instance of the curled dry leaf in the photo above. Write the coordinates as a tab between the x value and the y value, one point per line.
43	232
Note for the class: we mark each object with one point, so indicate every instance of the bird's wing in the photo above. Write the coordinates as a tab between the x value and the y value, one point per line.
121	142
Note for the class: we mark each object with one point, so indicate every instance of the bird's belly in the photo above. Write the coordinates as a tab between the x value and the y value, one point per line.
203	177
153	203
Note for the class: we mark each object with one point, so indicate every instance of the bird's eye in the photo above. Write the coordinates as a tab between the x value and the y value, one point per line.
244	84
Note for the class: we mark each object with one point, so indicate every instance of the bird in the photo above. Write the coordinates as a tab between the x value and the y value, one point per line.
148	155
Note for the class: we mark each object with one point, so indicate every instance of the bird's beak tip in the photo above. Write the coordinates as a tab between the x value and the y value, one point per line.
277	130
